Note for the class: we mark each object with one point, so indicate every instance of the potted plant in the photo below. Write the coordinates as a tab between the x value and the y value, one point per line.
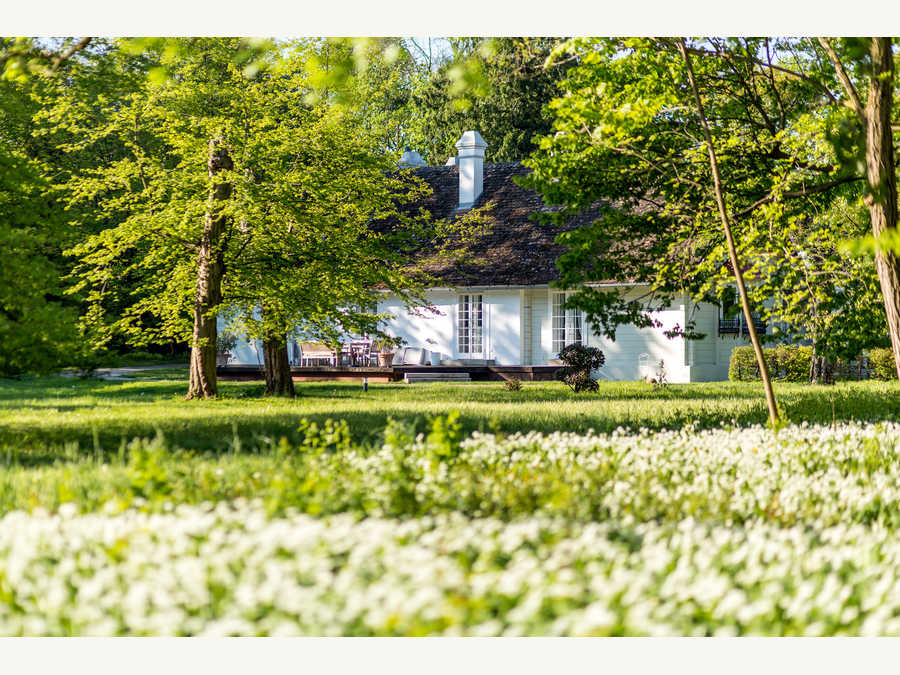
386	346
225	343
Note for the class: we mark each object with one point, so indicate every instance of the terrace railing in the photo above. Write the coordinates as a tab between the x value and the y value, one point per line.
739	327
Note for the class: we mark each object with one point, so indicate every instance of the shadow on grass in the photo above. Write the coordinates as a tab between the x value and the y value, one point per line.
50	419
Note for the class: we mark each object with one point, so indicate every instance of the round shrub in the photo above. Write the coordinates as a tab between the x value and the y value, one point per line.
742	366
580	361
881	364
512	384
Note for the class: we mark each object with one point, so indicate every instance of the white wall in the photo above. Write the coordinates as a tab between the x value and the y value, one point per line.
508	339
418	327
623	354
703	355
501	318
505	327
245	353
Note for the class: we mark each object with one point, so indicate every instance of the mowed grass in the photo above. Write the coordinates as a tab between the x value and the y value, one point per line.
45	419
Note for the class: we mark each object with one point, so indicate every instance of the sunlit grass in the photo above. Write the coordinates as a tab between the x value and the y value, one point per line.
42	419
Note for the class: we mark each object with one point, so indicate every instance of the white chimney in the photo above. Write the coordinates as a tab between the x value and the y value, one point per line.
412	159
471	168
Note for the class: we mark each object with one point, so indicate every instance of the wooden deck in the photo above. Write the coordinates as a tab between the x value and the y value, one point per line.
392	374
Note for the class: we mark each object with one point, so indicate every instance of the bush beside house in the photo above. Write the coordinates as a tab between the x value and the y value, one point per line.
789	363
881	364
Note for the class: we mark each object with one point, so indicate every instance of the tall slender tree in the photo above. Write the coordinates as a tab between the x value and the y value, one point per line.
729	239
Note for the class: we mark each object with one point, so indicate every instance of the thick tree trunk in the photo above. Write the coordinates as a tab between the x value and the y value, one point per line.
882	179
822	371
210	269
729	239
277	366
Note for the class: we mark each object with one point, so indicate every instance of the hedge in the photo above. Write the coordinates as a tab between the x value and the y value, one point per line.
881	364
787	363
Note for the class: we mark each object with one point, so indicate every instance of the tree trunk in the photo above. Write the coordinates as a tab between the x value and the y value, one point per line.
729	239
812	365
882	179
210	269
823	371
277	366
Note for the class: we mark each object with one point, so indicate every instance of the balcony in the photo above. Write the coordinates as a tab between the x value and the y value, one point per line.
739	327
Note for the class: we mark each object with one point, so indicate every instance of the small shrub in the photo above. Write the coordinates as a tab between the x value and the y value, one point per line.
742	366
334	436
881	364
445	435
512	384
580	361
790	363
581	381
146	472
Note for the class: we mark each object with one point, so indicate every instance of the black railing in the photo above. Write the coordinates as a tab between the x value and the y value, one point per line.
739	327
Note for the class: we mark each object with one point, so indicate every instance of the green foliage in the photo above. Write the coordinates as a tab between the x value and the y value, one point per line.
445	435
499	87
787	363
306	188
147	474
580	361
334	436
625	134
882	365
512	384
37	330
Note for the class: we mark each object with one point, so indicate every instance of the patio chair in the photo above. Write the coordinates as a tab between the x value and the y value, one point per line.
360	352
313	351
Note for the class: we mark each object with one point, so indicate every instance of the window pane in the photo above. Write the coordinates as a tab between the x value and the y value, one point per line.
470	324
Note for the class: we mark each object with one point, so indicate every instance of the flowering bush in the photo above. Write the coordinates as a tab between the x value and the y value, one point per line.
231	571
725	531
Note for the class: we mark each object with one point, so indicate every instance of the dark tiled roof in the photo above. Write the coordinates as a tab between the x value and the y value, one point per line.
515	249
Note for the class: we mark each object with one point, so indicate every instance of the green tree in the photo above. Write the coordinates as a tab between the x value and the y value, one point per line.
790	147
37	326
509	87
238	191
37	330
626	133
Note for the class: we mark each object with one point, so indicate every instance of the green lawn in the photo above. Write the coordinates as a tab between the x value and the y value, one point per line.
43	419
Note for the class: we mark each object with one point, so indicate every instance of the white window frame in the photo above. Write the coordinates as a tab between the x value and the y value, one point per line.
566	325
470	325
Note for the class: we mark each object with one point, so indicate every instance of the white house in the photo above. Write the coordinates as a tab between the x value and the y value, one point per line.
497	306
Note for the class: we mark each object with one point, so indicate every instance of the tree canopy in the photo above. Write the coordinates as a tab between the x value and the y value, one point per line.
625	133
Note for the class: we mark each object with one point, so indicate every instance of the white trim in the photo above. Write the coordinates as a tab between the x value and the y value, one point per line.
475	315
518	287
614	284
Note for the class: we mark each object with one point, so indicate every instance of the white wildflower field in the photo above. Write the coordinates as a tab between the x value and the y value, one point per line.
692	532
